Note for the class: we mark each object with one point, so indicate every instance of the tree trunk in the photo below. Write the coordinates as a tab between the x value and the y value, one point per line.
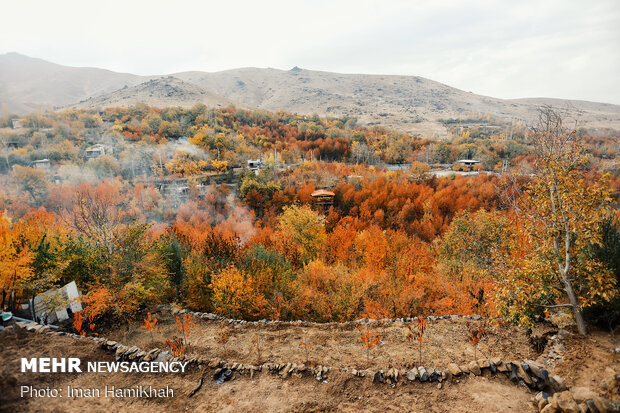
12	301
572	298
32	312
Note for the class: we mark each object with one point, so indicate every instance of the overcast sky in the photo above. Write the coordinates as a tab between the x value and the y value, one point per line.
507	49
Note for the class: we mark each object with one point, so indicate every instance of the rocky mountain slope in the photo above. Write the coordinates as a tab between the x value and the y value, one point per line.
409	103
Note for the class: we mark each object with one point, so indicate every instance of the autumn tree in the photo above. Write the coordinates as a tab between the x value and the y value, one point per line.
305	348
476	332
219	166
234	293
78	322
561	211
105	166
15	259
257	347
194	288
113	255
419	170
45	236
185	324
223	335
476	250
416	333
607	314
477	244
274	279
369	339
302	232
150	324
328	293
33	181
98	215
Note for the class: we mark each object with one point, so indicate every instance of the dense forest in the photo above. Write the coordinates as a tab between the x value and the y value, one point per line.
147	205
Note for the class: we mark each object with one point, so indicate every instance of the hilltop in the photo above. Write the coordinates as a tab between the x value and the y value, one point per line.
162	92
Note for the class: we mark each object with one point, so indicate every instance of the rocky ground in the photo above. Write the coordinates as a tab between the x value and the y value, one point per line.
287	382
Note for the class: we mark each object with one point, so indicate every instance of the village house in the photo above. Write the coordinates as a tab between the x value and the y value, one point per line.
18	123
95	151
255	165
323	199
42	164
466	165
15	143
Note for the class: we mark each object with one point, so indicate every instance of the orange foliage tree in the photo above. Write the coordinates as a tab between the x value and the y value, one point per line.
15	262
185	324
223	335
150	324
369	340
476	333
561	212
416	333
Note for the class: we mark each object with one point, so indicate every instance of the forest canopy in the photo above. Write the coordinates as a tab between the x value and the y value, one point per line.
213	209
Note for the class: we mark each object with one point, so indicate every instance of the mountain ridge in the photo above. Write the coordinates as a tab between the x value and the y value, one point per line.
28	84
413	104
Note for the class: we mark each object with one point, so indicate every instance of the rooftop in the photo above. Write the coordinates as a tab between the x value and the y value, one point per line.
322	192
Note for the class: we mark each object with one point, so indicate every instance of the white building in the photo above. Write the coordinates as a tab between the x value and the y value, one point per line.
42	164
95	151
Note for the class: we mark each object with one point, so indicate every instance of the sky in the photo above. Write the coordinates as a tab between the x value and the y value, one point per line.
507	49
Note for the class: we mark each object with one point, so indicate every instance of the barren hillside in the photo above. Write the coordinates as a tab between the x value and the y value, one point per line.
28	84
162	92
409	103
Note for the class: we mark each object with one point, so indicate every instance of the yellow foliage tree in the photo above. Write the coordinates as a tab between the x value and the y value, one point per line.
561	212
235	294
301	232
220	166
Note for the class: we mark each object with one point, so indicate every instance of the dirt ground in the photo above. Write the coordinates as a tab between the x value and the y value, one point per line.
338	345
586	359
583	362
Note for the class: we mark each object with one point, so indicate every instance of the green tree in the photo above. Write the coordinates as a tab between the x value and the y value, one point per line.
607	314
